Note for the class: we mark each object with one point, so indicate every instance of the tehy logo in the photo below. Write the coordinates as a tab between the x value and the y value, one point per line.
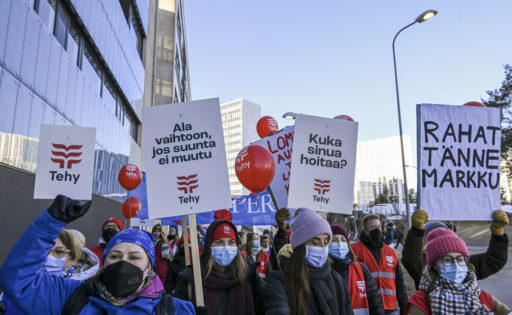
322	186
389	261
187	184
361	285
241	155
63	154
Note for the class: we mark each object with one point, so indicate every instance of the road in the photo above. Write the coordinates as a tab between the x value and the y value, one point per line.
498	284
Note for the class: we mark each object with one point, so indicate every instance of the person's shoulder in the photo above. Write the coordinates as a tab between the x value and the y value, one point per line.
183	307
187	274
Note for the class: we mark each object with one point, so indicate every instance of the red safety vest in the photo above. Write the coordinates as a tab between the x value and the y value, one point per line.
263	258
420	300
357	289
383	273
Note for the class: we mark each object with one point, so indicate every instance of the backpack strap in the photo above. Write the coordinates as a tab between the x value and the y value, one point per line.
166	305
77	300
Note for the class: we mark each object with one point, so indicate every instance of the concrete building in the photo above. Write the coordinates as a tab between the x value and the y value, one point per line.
84	63
239	118
379	168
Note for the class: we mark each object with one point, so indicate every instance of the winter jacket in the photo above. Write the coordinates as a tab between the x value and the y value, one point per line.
36	292
176	266
375	305
98	250
486	264
276	299
227	297
161	262
280	240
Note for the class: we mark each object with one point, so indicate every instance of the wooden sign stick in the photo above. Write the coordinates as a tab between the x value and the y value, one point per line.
196	264
184	234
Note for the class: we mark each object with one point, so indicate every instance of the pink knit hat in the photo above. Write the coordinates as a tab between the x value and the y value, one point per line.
442	241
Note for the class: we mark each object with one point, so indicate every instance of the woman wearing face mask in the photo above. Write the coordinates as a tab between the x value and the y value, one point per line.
228	286
110	227
449	284
310	285
127	284
255	255
364	293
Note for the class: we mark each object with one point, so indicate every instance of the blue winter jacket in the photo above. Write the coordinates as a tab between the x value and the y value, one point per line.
36	292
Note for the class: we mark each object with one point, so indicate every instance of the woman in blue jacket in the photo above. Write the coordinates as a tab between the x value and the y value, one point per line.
127	283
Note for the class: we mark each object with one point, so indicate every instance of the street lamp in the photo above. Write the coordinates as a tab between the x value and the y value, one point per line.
420	19
289	115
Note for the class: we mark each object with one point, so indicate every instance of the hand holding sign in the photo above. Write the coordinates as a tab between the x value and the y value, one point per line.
129	176
255	167
266	125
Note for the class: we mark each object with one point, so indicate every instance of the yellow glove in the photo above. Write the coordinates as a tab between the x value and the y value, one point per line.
281	216
499	220
419	218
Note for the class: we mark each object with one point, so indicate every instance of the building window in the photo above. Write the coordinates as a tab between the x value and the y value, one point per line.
61	24
126	5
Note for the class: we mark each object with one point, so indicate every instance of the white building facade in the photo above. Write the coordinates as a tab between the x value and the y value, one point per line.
239	118
379	167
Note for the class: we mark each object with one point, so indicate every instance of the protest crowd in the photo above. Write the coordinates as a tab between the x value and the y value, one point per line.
307	267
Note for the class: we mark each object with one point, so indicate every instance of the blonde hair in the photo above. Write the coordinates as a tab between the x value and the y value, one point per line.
237	267
74	241
367	218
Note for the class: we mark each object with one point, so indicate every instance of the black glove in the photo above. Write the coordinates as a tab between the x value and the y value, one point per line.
201	310
66	209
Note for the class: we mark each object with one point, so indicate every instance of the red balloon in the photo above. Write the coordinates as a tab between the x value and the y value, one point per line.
131	207
346	117
474	104
266	125
129	176
255	167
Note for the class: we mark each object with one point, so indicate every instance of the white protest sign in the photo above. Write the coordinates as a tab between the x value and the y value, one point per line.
458	161
143	222
323	164
280	145
185	159
65	162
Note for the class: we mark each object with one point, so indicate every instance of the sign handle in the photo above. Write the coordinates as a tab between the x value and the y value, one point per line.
272	196
184	234
196	264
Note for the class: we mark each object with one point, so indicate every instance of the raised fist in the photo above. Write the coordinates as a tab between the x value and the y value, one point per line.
499	220
419	218
66	209
281	216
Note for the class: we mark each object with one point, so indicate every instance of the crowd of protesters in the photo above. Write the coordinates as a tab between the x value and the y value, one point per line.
306	267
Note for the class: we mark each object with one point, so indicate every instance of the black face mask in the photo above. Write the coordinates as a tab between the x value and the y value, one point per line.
122	278
376	234
108	234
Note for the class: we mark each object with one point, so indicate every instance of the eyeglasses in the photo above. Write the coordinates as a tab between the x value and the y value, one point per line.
449	260
111	226
59	252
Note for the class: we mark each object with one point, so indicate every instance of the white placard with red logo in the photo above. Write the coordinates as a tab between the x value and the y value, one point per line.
65	162
280	144
186	168
323	164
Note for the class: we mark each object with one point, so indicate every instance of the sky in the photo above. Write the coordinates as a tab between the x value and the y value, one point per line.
327	58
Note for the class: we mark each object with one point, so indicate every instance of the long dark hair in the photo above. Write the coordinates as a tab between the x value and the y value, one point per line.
296	282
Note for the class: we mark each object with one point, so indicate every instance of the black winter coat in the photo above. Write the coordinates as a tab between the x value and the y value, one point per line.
276	299
375	305
485	264
176	266
280	240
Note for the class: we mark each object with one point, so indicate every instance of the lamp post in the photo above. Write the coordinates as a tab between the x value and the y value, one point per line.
420	19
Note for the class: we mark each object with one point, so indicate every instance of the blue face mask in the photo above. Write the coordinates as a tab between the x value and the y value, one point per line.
454	273
316	256
224	255
338	250
256	244
54	266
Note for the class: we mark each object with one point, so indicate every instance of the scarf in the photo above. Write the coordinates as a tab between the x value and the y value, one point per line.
325	291
447	297
119	301
239	295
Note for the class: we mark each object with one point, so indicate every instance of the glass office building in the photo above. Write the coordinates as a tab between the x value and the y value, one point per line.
73	63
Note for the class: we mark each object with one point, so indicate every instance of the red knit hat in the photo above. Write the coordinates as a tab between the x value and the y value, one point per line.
337	229
118	222
223	215
442	241
223	230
